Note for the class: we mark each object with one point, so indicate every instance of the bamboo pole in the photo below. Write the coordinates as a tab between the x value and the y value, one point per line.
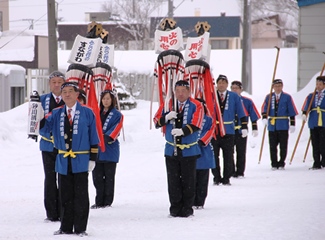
305	155
269	102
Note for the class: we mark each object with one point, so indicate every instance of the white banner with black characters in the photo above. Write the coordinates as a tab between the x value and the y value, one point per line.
198	48
166	40
85	51
106	54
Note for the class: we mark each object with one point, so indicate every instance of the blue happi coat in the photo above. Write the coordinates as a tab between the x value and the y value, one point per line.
84	135
206	161
233	106
286	109
317	110
193	114
46	142
111	128
251	110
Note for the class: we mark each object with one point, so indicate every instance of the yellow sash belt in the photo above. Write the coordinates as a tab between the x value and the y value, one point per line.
231	122
71	154
182	146
49	140
272	119
320	118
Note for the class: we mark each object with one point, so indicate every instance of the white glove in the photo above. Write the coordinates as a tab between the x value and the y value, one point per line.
265	122
304	118
171	115
292	129
177	132
254	133
244	133
91	166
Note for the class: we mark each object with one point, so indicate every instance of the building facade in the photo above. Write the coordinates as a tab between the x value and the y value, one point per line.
311	43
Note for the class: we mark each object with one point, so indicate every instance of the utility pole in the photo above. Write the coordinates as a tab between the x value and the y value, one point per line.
247	49
170	9
31	23
52	39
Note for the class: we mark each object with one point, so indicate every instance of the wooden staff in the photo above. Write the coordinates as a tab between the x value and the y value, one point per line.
269	102
303	123
305	155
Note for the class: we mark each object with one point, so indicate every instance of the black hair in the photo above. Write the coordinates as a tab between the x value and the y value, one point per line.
113	97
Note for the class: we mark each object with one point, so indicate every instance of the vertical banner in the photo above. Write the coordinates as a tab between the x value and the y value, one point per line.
106	54
168	40
85	51
198	48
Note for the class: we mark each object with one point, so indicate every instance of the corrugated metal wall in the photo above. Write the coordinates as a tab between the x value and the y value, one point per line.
311	42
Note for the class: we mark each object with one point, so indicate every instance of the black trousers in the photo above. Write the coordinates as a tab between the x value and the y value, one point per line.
51	190
104	182
318	143
74	201
279	137
181	177
225	143
241	145
202	181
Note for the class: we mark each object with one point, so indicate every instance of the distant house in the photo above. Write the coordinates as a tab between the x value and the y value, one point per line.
225	32
311	39
118	35
29	51
266	34
12	85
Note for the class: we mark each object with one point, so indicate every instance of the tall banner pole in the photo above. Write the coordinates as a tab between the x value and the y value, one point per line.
269	102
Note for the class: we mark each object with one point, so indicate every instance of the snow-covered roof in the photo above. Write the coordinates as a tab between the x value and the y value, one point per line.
17	48
5	69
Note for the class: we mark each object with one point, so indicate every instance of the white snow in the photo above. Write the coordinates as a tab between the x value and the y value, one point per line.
265	204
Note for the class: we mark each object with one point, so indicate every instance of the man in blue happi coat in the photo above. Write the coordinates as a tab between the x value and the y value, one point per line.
241	142
316	122
51	192
231	106
281	120
73	128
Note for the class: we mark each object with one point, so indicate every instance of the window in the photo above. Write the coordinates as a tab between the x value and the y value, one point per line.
219	44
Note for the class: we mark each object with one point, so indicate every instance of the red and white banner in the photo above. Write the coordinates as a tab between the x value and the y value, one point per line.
106	54
168	40
85	51
198	48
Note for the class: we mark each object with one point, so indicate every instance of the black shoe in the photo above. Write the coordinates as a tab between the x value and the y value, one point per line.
217	181
315	168
82	234
198	207
226	182
238	175
48	219
60	232
95	206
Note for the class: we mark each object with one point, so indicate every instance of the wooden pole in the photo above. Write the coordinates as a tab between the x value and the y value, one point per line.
269	102
305	155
